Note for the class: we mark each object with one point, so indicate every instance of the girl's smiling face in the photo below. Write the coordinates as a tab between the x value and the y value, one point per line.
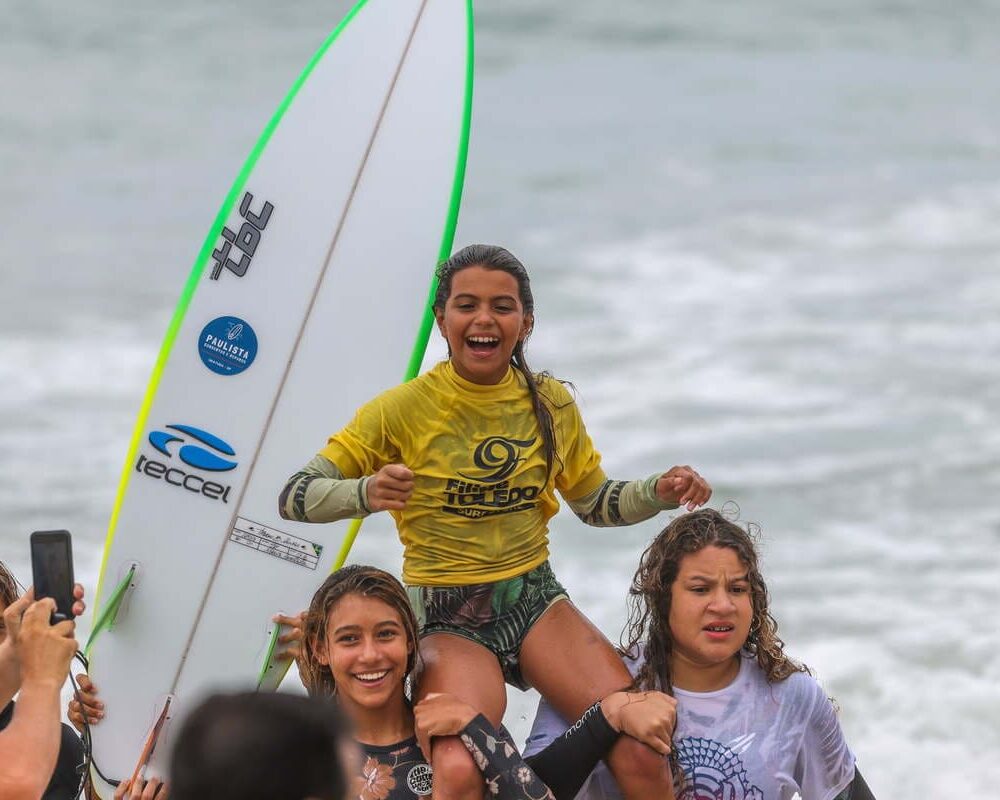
483	321
367	651
710	616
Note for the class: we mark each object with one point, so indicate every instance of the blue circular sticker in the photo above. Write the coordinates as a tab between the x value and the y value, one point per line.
227	345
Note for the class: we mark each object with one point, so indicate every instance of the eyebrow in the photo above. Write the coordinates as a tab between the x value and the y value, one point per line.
476	296
382	624
741	578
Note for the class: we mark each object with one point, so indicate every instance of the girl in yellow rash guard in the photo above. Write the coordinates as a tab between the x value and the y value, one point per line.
467	458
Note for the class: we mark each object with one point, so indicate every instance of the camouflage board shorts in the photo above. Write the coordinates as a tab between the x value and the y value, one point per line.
496	615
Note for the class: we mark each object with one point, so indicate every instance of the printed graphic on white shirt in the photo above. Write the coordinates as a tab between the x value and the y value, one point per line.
713	771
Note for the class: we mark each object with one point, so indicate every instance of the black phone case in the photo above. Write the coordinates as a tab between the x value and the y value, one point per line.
52	570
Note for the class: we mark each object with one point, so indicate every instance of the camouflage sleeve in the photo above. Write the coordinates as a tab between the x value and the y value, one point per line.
319	492
620	503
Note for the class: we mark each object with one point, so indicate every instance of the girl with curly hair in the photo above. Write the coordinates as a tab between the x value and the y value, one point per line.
751	722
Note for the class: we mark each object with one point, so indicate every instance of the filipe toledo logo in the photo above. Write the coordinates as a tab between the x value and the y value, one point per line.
227	345
245	242
198	449
491	494
499	457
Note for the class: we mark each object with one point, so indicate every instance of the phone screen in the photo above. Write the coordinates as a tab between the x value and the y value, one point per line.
52	570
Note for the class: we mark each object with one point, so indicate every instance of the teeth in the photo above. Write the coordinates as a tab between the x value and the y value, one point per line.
719	628
483	339
371	676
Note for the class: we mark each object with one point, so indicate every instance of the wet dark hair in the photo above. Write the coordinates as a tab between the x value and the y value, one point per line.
354	579
9	587
650	596
490	256
260	746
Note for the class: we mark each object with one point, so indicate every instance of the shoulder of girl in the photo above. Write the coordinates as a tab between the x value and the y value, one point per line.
554	390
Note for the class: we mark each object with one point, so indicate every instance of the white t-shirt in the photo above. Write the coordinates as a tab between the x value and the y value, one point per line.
751	740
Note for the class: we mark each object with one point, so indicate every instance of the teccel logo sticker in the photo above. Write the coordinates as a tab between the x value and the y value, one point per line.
227	345
193	447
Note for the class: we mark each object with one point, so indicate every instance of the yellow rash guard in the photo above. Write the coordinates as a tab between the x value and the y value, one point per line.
481	502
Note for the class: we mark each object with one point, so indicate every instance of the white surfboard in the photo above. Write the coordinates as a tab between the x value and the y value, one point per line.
309	296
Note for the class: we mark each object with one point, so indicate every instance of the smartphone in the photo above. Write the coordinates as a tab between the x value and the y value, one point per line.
52	570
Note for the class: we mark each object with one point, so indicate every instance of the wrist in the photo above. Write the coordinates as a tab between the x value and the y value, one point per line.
611	707
364	502
40	682
651	490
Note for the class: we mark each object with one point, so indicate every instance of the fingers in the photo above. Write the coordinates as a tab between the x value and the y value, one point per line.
293	622
684	486
650	718
291	642
390	488
79	606
14	613
399	472
424	743
39	613
154	788
85	704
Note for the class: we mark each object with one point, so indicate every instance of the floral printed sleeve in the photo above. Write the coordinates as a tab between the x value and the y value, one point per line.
507	776
555	773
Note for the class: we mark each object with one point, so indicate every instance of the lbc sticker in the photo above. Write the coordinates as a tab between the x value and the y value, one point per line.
236	250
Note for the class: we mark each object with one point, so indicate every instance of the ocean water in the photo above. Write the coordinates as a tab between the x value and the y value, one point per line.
763	239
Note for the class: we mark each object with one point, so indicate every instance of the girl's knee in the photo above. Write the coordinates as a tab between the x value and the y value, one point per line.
456	776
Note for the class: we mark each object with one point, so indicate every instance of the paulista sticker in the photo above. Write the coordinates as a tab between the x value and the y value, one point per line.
227	345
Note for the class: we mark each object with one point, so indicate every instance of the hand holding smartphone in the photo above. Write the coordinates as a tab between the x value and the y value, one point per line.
52	570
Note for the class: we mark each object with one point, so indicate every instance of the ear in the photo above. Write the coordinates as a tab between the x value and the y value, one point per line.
526	327
319	653
439	316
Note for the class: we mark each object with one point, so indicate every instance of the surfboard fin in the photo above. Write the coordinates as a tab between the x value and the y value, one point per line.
273	670
151	741
109	614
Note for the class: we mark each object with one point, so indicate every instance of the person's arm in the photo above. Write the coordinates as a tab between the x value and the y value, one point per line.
494	753
29	747
10	665
569	759
857	789
628	502
319	492
10	669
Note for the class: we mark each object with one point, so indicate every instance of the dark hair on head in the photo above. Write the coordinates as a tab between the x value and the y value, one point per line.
490	256
9	587
650	594
260	746
354	579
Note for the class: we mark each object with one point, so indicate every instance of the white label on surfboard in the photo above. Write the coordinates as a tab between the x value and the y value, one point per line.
275	543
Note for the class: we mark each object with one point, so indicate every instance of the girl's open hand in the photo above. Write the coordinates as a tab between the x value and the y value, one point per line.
684	486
